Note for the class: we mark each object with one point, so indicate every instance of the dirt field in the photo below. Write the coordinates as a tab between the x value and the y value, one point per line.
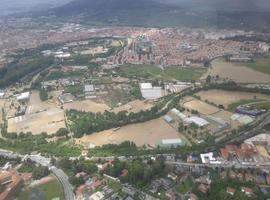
200	106
226	98
40	117
262	151
144	133
87	106
134	106
237	73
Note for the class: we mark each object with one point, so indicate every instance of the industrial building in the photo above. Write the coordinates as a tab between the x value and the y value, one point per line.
168	143
2	94
197	120
23	97
150	92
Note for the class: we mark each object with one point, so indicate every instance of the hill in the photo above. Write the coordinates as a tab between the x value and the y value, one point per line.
247	14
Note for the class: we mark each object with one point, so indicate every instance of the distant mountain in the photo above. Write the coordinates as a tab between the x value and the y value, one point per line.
249	14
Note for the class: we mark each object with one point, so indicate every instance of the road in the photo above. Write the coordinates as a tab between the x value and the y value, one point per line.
265	120
61	176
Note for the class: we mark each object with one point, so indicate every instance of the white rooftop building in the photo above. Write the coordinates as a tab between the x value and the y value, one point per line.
23	96
150	92
2	94
209	158
197	120
97	196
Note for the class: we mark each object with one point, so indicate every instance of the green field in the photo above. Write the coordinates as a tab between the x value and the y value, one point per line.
155	72
260	64
44	192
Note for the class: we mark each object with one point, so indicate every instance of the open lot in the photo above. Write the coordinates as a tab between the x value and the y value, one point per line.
87	106
40	117
134	106
202	107
227	98
238	73
147	133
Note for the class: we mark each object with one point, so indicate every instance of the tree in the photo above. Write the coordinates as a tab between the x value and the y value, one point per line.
208	79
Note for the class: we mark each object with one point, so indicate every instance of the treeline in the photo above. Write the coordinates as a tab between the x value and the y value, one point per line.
232	86
38	172
88	123
25	143
137	173
16	70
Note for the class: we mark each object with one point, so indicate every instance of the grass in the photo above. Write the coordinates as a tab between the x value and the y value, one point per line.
154	72
44	192
185	186
234	105
260	64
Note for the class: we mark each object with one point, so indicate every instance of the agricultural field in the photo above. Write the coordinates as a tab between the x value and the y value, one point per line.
146	133
202	107
231	99
260	64
240	73
134	106
46	191
87	106
39	117
157	73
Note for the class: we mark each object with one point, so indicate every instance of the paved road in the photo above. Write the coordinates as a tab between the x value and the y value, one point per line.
265	120
61	176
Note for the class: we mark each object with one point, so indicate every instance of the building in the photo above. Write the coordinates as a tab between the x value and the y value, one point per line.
89	91
167	143
12	183
66	98
150	92
209	158
200	122
2	94
97	196
23	97
230	191
168	119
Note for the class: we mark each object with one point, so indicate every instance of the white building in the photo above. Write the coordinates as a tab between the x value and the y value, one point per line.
97	196
23	96
197	120
2	94
209	158
150	92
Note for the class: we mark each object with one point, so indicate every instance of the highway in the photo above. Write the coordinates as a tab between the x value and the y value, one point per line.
61	176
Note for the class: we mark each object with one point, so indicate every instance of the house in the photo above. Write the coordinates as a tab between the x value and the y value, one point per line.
230	191
249	177
247	191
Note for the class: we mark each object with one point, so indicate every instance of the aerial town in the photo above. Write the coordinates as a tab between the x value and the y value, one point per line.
95	113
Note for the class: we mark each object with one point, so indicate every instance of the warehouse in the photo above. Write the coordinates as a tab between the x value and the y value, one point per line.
23	96
168	143
197	120
150	92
